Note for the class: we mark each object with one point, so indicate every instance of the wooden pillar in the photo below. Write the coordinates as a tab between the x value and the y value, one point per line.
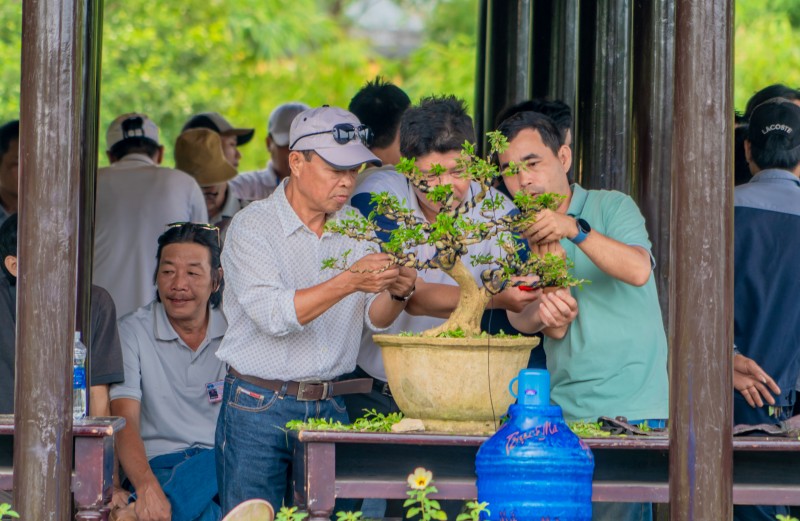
521	50
605	133
563	77
50	164
89	121
702	259
654	68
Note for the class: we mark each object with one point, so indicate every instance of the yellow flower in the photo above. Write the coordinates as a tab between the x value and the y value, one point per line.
420	479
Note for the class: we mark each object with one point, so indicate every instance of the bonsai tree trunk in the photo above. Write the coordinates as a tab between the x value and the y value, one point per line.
471	303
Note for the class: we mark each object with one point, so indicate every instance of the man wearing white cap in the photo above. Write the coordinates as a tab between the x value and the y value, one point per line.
293	327
136	198
258	184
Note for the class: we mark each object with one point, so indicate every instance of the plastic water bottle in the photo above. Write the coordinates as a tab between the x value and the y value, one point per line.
78	378
534	468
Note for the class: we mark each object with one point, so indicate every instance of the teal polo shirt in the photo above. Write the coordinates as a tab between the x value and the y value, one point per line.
613	359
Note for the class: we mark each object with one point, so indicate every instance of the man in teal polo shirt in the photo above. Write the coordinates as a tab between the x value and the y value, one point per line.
612	360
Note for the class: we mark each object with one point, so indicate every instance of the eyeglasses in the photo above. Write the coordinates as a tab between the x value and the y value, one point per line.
201	226
343	133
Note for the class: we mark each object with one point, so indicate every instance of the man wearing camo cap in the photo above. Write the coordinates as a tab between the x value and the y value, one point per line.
293	327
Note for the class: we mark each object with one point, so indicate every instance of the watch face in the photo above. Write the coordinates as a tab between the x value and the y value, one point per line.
584	226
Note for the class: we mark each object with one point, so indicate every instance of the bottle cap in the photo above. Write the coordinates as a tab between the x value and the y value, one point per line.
533	387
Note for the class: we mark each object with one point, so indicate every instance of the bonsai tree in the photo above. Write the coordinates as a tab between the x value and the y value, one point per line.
453	231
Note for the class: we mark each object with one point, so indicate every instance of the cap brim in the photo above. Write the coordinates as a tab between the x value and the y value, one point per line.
346	157
243	135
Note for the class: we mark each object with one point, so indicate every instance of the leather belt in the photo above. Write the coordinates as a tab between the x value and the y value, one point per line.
308	391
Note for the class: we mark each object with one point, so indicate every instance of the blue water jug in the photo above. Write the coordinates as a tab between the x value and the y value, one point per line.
535	468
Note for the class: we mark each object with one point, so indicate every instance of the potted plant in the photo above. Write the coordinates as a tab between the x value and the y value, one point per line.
484	364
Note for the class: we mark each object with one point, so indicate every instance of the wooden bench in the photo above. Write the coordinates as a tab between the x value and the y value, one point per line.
94	464
331	464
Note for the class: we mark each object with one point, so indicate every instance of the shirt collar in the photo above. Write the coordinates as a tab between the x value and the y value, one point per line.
578	201
231	206
288	218
775	174
217	325
136	158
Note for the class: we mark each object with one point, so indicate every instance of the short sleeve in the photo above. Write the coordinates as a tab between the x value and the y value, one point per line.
131	387
106	356
624	222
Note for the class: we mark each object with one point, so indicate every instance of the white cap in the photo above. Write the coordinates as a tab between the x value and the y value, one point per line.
129	126
280	121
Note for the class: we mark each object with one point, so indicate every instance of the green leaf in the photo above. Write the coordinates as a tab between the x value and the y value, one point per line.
412	512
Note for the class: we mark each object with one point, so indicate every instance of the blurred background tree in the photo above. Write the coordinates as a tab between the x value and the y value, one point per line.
244	57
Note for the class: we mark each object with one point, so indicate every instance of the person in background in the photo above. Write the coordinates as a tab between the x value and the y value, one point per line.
136	198
380	105
173	382
105	356
766	285
9	168
258	184
198	152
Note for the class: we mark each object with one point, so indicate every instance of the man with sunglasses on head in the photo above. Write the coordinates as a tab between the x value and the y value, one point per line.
294	327
135	199
173	382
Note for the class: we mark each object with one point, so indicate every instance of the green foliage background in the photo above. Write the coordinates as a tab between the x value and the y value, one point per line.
243	57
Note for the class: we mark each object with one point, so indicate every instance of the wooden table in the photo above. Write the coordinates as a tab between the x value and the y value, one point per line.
94	464
331	464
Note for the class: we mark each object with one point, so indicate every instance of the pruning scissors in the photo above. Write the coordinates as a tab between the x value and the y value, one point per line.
526	287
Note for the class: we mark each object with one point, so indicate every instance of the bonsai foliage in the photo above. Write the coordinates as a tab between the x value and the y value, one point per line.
453	231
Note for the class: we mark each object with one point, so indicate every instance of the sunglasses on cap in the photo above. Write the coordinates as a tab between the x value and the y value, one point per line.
343	133
200	226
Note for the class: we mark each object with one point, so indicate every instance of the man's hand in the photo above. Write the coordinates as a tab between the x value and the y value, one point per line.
119	498
551	226
151	503
543	249
514	299
374	273
558	309
404	283
752	382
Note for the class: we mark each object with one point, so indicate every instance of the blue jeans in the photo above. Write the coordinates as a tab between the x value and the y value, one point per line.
253	450
628	511
189	481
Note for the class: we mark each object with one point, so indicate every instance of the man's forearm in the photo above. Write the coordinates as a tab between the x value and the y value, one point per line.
310	303
98	401
384	310
630	264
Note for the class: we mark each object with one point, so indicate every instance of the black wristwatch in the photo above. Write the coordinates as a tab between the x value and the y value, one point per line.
583	231
403	299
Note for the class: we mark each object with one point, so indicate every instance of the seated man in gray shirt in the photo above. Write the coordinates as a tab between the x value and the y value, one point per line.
173	381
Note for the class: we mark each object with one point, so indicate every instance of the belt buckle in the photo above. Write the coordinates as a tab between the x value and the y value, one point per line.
301	391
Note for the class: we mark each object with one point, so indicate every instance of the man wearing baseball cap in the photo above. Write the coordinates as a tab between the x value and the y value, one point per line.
232	137
766	285
136	198
258	184
293	327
